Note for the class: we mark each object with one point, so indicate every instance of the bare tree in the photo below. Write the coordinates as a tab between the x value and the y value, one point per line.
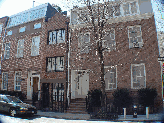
97	22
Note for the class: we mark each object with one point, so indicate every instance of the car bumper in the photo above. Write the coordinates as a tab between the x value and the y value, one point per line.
26	112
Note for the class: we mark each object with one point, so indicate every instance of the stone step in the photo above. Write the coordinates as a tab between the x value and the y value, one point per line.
78	112
80	106
77	108
77	104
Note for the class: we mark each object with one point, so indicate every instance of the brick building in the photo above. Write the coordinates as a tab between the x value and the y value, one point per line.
35	53
131	60
3	23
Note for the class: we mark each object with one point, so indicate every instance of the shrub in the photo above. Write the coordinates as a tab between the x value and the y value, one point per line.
95	97
146	96
122	98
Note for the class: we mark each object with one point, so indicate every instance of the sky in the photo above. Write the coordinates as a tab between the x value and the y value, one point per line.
11	7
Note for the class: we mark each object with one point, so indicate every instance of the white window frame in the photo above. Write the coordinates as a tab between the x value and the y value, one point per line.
22	29
7	51
115	77
3	81
1	26
34	47
83	44
15	85
9	32
139	43
103	41
130	12
137	76
37	25
20	48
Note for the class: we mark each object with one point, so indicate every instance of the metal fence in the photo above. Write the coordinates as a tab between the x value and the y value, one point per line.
57	102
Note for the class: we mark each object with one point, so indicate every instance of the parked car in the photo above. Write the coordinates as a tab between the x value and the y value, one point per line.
15	106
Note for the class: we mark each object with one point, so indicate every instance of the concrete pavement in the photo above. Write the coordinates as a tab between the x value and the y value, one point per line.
152	117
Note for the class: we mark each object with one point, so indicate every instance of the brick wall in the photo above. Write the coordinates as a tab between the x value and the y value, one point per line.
123	57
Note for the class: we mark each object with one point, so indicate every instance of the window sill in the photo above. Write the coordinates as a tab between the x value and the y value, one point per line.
37	28
137	88
35	55
53	71
19	57
110	89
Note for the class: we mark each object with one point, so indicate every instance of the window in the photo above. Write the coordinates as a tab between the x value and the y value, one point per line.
133	7
37	25
84	41
74	17
135	36
138	76
22	29
130	8
7	51
109	40
110	78
20	48
1	25
126	8
117	10
55	64
9	32
35	46
83	16
57	36
18	80
4	80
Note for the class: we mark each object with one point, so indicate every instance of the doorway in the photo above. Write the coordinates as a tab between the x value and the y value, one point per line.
79	84
45	96
35	88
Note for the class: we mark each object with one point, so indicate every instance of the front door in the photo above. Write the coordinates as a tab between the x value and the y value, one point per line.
33	84
45	95
35	88
82	84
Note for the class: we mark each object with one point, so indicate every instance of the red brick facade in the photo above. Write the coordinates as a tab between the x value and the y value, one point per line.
123	56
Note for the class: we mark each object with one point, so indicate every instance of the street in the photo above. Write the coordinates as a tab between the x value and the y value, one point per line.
5	118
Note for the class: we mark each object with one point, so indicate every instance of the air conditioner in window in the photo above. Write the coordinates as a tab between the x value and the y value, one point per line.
136	44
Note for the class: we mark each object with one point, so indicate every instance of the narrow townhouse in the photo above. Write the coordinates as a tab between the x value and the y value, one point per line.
131	60
3	23
34	55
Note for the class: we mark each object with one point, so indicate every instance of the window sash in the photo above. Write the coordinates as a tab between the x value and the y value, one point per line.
35	46
20	48
135	35
37	25
9	32
110	78
138	75
18	80
55	64
7	51
4	80
22	29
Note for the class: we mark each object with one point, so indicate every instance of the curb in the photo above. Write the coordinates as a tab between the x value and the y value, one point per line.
117	120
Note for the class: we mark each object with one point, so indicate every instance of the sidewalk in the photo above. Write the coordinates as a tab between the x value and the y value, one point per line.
152	117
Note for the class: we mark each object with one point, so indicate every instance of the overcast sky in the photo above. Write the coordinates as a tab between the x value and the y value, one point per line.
11	7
